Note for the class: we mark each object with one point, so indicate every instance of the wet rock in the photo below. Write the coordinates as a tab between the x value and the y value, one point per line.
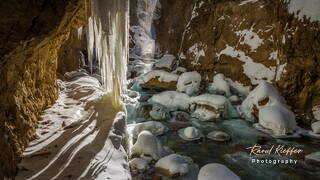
316	127
159	112
218	136
313	159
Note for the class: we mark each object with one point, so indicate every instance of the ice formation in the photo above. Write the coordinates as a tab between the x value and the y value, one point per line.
173	165
189	82
156	128
172	100
167	62
216	171
148	145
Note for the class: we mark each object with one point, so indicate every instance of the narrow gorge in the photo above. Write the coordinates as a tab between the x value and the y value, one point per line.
160	89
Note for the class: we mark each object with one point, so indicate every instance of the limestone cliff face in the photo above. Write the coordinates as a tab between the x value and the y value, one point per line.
34	34
248	41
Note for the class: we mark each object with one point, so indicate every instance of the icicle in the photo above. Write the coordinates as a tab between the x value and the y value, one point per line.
108	44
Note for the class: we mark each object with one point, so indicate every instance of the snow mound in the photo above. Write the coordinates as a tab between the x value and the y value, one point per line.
189	82
148	145
190	134
156	128
307	8
159	112
179	70
216	171
316	127
173	165
172	100
263	92
162	76
139	164
207	107
220	85
278	119
167	62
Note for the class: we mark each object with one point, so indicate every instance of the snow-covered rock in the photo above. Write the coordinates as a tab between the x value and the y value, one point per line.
190	133
156	128
189	82
161	75
139	164
159	112
278	119
313	158
208	107
263	95
216	171
307	8
218	136
173	165
316	127
166	62
220	85
172	100
148	145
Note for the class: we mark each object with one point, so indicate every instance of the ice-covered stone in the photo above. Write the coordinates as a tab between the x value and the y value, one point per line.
159	112
148	145
172	100
156	128
218	136
138	164
179	70
278	119
316	127
220	86
189	82
173	165
166	62
215	171
190	134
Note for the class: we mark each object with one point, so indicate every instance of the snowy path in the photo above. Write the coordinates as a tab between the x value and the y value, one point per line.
74	138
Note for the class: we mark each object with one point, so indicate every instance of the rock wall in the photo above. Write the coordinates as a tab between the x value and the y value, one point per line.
248	41
33	34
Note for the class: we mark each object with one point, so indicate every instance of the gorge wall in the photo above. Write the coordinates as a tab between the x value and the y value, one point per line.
37	37
248	41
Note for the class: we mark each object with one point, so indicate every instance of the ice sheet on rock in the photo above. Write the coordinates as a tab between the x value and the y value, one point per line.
139	164
309	9
189	82
163	76
278	119
316	127
172	100
148	145
215	171
167	61
159	112
174	164
156	128
264	91
220	85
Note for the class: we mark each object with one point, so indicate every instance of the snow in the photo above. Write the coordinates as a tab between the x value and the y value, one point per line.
238	87
274	55
316	127
313	158
190	133
215	171
250	38
189	82
138	163
256	72
220	85
247	1
307	8
165	62
159	112
197	50
278	119
156	128
163	76
262	91
172	100
148	145
175	164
